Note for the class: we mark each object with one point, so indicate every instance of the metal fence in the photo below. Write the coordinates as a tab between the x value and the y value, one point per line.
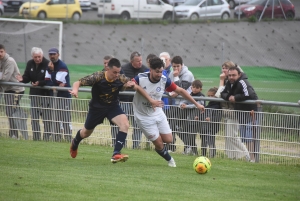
262	137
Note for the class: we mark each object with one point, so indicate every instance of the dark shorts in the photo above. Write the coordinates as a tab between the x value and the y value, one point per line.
97	115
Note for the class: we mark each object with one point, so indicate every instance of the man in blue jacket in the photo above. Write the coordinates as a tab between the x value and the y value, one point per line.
57	74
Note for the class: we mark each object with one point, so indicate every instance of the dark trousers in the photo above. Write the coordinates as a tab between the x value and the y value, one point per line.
12	100
37	111
58	119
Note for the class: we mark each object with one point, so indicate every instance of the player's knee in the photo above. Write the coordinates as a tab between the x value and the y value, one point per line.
124	126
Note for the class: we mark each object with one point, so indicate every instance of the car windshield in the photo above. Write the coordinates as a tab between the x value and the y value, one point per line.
192	2
257	2
38	1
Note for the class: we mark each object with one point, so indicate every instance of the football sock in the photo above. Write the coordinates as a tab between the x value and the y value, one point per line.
164	153
120	141
77	139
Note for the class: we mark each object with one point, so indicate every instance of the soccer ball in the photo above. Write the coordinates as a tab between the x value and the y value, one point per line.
202	165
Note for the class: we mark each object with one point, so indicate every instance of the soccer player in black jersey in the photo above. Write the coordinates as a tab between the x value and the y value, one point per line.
106	86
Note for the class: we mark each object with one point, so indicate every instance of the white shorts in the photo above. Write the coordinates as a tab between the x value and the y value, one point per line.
152	127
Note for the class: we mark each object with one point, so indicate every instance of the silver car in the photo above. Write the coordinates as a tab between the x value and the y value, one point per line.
195	9
1	8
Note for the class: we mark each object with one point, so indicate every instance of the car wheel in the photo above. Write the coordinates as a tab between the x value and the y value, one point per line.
76	16
231	4
167	16
42	15
257	15
289	15
194	16
225	16
125	16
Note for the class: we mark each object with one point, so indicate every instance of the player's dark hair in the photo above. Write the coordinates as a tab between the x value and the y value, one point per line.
235	68
177	60
197	84
114	62
2	46
156	63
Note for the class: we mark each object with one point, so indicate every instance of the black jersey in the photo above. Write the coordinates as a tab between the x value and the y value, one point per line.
104	92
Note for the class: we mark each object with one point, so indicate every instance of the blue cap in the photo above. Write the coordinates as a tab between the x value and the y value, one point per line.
53	50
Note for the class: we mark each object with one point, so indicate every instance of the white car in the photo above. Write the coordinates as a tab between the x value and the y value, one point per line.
85	5
95	4
195	9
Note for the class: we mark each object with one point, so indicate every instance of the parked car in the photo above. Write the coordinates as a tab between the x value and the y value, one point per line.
143	9
234	3
85	5
1	8
174	2
95	4
12	5
51	9
256	7
195	9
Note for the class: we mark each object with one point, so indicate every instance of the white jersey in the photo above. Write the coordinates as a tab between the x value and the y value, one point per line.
141	106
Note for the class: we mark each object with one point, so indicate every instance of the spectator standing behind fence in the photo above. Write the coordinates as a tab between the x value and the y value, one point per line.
239	89
211	127
154	123
57	74
191	126
12	95
183	78
105	104
132	69
234	148
35	73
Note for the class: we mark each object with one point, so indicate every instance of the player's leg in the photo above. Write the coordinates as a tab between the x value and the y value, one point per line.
117	116
95	116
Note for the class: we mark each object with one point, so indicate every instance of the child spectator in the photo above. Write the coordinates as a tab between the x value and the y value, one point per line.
212	126
191	127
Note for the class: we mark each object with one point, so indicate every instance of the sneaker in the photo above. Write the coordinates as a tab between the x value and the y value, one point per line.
73	150
119	158
172	163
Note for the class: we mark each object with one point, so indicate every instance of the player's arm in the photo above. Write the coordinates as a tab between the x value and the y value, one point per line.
74	91
188	97
154	103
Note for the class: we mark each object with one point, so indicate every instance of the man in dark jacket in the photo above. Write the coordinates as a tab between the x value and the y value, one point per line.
35	73
238	89
57	74
132	69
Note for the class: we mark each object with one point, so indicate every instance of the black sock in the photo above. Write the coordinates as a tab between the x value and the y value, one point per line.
164	153
120	141
77	139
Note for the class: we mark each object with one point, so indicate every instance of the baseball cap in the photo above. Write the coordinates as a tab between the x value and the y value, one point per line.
53	50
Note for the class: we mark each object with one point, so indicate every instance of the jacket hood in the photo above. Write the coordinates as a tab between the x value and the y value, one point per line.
183	70
5	58
243	76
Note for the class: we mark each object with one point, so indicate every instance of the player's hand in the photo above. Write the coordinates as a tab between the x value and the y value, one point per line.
183	106
207	119
61	84
51	66
35	83
19	78
74	93
200	107
196	118
231	99
129	84
156	103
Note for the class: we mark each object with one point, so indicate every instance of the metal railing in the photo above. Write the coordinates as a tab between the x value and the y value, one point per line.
263	137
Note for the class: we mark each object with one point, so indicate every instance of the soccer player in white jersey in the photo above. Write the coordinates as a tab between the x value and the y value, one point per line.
153	123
